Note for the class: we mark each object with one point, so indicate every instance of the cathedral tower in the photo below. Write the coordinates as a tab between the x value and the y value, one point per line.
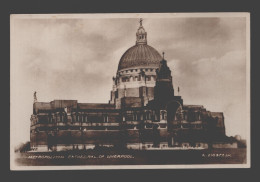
164	91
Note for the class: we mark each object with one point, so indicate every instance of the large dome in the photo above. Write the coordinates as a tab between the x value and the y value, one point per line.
140	55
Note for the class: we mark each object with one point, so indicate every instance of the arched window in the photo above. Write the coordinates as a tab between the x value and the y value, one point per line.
163	115
153	116
74	117
105	118
156	116
148	115
141	116
57	118
53	118
61	117
50	118
198	116
135	117
77	118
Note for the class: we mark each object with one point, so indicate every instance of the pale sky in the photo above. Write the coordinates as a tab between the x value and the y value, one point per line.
63	58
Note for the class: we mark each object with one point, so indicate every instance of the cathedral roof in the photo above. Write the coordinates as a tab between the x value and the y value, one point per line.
140	55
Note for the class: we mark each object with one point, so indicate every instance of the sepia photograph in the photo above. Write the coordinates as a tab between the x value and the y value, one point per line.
129	91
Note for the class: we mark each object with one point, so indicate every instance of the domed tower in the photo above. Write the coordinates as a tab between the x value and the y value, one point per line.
136	75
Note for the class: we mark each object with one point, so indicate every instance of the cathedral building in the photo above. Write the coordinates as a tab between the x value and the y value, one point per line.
143	112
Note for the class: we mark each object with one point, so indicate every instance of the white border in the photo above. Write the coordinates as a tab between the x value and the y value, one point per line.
13	166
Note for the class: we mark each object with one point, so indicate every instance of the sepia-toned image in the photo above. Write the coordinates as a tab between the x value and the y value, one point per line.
130	91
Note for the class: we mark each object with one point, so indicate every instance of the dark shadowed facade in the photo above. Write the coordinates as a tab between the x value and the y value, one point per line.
142	113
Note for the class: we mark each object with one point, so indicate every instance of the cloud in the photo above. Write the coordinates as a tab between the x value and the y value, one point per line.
219	84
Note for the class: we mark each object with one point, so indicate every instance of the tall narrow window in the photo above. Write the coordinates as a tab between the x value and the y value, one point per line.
148	115
58	118
135	117
163	115
61	117
53	118
50	118
105	118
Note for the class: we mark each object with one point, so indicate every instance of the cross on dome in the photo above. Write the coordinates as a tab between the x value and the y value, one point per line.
141	20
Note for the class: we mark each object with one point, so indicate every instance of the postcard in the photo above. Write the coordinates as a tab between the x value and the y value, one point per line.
130	91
